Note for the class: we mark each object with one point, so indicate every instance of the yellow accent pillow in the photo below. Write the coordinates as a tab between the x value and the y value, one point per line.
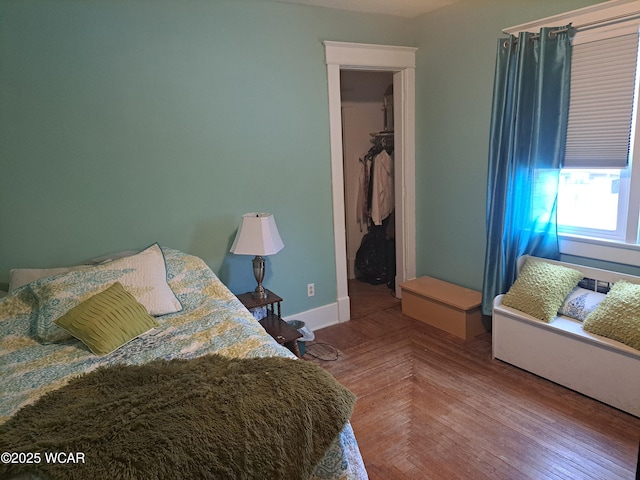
107	320
618	316
540	288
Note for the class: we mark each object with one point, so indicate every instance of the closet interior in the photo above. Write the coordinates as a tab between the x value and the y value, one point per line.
368	143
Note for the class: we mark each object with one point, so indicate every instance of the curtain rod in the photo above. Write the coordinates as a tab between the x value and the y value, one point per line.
597	22
536	36
589	24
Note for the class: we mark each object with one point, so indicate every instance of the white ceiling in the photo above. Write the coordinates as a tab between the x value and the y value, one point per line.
402	8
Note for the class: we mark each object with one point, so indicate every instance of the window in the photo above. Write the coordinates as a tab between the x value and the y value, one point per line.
589	206
595	197
589	201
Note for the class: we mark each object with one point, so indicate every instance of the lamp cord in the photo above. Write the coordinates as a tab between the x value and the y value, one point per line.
333	352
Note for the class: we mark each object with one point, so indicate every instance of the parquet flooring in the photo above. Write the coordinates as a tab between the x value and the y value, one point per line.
432	406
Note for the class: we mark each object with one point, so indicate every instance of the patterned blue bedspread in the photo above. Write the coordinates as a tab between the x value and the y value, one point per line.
212	321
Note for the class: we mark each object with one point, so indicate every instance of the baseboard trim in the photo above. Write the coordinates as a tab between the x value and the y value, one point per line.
344	309
318	318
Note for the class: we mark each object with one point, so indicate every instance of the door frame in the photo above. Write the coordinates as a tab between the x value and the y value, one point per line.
401	61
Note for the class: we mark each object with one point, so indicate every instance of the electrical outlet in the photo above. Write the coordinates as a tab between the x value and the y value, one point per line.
311	290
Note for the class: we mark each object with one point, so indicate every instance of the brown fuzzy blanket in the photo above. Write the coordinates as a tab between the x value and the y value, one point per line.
208	418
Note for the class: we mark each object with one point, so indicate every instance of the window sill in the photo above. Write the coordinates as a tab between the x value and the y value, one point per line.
608	251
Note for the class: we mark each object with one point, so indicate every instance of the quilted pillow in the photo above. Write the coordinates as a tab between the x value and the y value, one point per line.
618	315
108	320
540	288
580	303
144	275
22	276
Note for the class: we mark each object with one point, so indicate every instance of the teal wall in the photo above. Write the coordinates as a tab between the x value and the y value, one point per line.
124	123
454	83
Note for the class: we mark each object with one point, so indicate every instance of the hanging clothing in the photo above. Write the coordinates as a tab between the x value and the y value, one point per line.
362	203
376	198
375	258
382	197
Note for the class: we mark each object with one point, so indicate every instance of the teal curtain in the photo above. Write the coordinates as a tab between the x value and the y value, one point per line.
526	147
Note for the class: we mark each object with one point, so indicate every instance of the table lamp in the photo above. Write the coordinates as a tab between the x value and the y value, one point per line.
257	235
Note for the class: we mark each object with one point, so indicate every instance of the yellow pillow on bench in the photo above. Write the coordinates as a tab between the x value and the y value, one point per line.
540	288
618	316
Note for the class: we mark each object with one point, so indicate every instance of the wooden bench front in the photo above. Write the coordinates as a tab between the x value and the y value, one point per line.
444	305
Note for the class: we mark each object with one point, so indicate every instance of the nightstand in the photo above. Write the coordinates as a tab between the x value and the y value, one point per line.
281	331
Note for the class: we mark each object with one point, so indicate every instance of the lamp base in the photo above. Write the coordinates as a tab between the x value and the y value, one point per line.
259	293
258	272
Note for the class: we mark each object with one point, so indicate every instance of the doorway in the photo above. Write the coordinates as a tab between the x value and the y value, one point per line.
400	61
368	144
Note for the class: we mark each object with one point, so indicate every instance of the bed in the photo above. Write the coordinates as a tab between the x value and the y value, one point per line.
205	322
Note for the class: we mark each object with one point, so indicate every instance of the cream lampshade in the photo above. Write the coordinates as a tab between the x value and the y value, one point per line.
257	235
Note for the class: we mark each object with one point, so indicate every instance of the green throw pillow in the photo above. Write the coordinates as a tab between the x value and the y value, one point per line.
540	288
108	320
618	316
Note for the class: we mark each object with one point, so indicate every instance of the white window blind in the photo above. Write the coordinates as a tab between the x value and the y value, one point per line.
601	102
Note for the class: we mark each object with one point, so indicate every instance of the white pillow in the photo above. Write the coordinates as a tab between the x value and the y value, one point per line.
580	303
144	275
21	276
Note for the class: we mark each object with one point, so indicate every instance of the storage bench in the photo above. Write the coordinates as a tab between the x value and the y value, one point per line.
561	351
446	306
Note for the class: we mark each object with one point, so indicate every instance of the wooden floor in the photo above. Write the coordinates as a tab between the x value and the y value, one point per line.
432	406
